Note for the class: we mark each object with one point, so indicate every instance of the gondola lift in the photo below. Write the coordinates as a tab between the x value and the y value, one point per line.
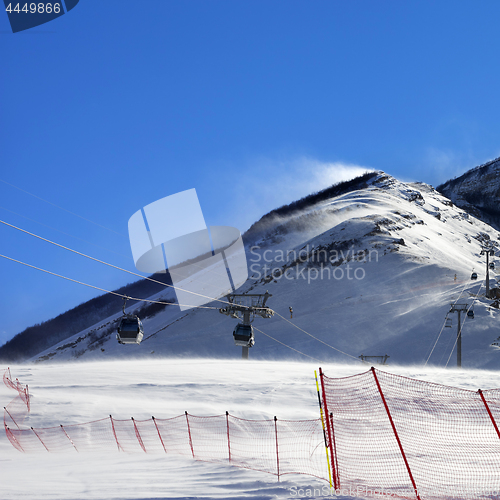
448	323
492	265
130	329
473	276
243	335
470	314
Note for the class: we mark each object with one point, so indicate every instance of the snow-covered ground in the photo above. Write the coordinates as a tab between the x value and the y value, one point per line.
82	391
401	254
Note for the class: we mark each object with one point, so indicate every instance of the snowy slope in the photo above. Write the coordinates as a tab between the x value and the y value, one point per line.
79	392
369	272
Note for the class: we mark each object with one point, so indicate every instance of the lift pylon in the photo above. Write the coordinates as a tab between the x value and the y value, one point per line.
245	306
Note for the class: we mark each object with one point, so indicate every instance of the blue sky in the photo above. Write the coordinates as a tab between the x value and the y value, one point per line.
253	103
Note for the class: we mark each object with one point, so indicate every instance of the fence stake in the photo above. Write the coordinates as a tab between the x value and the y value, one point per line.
9	433
277	450
138	436
11	417
114	433
189	433
336	479
324	431
395	433
64	430
39	438
489	412
159	435
335	450
228	441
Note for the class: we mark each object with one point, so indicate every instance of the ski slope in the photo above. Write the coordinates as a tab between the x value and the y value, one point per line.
401	254
83	391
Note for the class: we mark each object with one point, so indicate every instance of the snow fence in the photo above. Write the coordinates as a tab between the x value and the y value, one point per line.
274	446
387	436
395	436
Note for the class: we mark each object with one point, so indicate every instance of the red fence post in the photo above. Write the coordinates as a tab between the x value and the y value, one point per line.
114	433
335	453
277	449
12	439
228	441
159	435
10	417
138	436
489	412
39	438
395	433
189	433
70	440
336	481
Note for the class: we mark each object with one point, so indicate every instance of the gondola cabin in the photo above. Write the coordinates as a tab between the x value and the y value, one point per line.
448	323
130	330
473	276
243	335
492	265
470	314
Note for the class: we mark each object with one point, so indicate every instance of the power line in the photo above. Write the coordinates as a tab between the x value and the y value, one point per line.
61	208
102	289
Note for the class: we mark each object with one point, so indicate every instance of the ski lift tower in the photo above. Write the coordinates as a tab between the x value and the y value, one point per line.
245	307
489	251
459	308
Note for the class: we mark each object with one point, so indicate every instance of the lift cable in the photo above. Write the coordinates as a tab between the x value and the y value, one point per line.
62	232
107	264
461	326
442	328
435	343
282	343
61	208
103	289
316	338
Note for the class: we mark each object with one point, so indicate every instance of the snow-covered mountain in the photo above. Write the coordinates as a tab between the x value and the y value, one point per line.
477	191
370	271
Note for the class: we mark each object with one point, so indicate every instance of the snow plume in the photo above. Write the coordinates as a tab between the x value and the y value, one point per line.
273	183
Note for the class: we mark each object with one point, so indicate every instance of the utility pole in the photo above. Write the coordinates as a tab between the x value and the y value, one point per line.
246	307
488	250
459	308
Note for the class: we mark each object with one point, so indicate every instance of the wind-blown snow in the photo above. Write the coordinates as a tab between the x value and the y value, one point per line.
404	253
83	391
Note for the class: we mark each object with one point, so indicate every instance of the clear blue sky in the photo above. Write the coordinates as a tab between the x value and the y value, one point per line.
253	103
